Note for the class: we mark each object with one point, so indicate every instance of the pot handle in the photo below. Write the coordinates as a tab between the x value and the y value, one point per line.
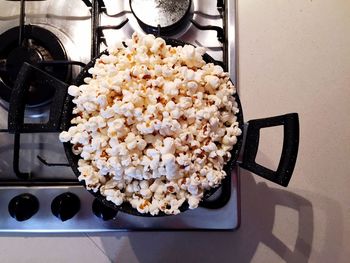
289	154
17	101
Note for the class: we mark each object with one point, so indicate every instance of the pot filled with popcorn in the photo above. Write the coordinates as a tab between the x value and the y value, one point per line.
153	126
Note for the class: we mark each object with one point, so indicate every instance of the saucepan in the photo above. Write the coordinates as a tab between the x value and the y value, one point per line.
246	147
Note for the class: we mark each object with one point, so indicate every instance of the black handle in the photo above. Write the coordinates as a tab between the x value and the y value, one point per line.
289	154
26	75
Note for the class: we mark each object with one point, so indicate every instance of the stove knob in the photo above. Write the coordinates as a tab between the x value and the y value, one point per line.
102	211
65	206
23	206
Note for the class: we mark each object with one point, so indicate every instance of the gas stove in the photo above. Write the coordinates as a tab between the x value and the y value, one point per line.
39	192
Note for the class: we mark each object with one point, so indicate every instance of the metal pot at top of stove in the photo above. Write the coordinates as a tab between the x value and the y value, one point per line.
161	17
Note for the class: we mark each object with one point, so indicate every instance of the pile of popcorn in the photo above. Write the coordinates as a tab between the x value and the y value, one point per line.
154	125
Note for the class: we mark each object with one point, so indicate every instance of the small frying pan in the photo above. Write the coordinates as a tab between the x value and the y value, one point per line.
61	116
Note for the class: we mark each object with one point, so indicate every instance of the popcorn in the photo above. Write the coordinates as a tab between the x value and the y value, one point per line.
65	136
157	45
154	207
134	172
183	159
170	89
211	147
143	206
169	146
193	201
213	81
90	106
229	140
102	100
126	109
114	195
144	184
170	165
145	128
185	102
154	125
130	141
146	193
107	113
148	41
73	91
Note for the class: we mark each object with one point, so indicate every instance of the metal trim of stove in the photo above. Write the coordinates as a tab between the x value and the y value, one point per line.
85	221
39	157
232	54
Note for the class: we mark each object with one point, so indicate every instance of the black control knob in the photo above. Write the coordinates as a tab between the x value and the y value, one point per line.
102	211
23	206
65	206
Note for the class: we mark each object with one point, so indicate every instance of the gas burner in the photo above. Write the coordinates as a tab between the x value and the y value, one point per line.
39	48
161	17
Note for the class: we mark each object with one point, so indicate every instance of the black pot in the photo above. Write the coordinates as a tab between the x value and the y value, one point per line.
247	144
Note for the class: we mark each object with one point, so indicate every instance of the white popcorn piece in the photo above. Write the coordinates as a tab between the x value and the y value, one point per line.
148	40
185	102
193	202
129	188
172	187
65	136
213	81
102	100
143	206
73	91
229	140
145	128
218	70
167	72
141	143
115	196
136	186
193	189
169	146
183	160
107	113
154	207
154	186
130	141
87	80
146	193
170	165
115	47
90	106
170	88
211	147
144	184
157	45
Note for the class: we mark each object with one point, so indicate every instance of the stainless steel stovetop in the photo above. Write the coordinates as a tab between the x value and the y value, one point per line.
71	21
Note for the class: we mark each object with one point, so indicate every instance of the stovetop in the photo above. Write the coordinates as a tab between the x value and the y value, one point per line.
84	29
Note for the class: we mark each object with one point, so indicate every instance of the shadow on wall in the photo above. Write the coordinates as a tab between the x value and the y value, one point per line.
258	215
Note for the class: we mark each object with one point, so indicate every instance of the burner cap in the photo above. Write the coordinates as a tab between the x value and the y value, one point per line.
167	15
40	45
